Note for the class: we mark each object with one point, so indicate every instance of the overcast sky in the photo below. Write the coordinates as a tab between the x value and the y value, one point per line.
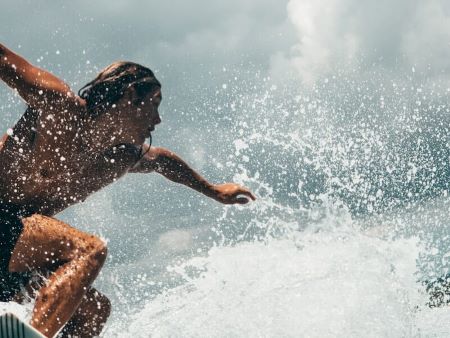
305	38
192	36
395	35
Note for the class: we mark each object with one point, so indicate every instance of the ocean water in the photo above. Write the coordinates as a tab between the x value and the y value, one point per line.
351	221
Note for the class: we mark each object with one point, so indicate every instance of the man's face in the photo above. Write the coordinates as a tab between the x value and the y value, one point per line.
139	115
148	110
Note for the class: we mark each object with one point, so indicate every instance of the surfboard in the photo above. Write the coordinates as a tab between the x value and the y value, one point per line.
14	327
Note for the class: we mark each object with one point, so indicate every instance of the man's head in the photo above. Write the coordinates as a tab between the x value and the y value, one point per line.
128	91
113	82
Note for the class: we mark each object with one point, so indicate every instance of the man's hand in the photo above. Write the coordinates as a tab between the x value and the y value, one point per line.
231	193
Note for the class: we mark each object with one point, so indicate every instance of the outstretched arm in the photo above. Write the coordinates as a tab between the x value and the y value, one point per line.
175	169
36	86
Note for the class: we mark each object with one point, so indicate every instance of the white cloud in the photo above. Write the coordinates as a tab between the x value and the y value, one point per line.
427	42
333	34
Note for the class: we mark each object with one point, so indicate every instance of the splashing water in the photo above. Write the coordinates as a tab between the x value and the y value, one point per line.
323	282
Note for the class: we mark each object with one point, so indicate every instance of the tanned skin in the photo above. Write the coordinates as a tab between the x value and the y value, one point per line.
57	156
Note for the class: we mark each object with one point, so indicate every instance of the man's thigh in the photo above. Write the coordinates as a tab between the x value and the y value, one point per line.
46	243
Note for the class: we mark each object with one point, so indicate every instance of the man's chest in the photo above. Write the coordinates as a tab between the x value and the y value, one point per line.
61	185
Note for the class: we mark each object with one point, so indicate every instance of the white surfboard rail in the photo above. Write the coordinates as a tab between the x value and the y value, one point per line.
13	327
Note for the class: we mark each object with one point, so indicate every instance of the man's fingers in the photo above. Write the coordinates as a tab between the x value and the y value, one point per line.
247	193
237	194
251	195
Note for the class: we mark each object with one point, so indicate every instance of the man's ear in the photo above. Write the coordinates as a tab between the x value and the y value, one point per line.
156	95
131	96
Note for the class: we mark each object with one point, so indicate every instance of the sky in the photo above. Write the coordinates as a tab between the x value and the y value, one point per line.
189	43
395	35
192	37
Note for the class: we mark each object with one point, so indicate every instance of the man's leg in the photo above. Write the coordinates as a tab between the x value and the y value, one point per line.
76	258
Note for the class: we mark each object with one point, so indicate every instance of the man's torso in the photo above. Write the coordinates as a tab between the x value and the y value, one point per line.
70	172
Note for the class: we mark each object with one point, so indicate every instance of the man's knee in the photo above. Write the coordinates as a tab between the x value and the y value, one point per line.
98	249
49	243
91	248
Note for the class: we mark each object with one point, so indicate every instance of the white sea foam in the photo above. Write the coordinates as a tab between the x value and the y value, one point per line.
21	311
327	282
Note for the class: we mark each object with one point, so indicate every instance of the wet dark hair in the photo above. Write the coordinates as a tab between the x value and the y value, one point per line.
112	82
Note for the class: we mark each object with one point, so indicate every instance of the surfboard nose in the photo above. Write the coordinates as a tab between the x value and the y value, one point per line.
13	327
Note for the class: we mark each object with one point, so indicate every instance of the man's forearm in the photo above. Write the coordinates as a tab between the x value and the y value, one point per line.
175	169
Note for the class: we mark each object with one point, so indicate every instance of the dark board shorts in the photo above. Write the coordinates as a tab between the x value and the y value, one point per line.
11	227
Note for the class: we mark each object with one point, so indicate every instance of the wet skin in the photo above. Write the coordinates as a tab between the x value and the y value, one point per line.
56	156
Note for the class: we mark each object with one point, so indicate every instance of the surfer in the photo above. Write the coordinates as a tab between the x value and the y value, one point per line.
64	148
